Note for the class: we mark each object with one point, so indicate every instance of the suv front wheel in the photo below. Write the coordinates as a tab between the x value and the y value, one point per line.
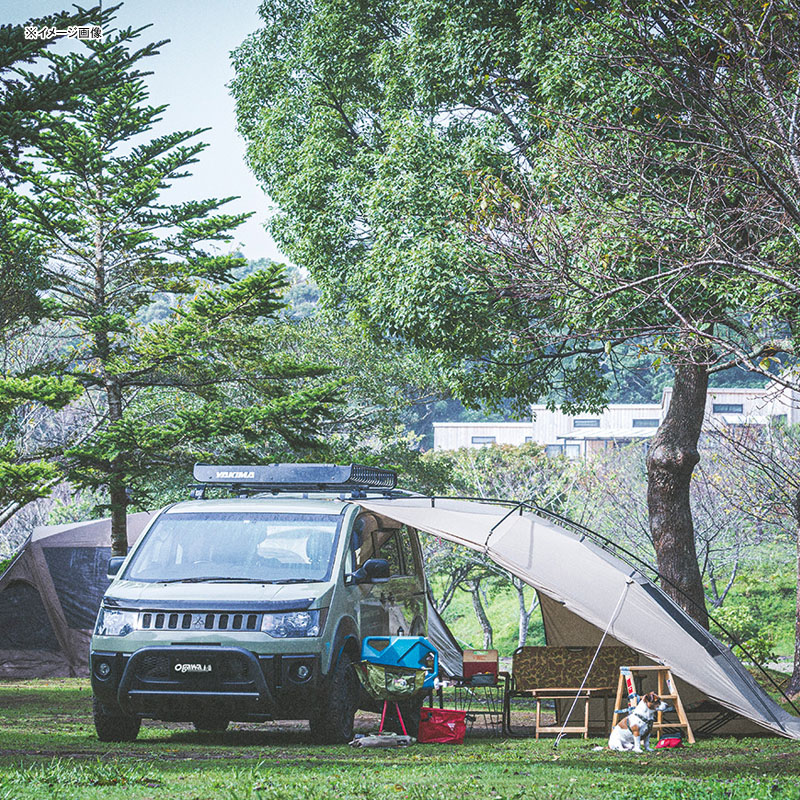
114	727
333	722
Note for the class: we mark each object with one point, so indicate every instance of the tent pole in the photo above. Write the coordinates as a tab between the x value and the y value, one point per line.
560	736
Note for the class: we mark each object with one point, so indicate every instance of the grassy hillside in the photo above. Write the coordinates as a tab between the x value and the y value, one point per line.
503	613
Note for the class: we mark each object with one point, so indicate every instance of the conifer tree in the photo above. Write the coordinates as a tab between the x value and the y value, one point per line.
200	382
36	86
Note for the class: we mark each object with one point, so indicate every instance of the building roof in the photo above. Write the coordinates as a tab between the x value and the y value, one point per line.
609	434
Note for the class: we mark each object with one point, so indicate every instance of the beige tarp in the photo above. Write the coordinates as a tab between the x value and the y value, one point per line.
594	586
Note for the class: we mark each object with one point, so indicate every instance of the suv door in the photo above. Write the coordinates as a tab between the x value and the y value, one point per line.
372	614
394	607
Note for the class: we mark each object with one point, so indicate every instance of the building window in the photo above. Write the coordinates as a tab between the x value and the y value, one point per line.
529	439
573	450
484	439
645	423
727	408
586	423
553	450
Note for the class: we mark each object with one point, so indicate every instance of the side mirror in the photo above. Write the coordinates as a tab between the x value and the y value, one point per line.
372	571
114	563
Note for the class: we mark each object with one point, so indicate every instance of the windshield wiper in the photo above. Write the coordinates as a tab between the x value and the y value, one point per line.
211	578
295	580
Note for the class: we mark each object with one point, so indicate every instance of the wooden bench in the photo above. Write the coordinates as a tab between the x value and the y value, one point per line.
556	674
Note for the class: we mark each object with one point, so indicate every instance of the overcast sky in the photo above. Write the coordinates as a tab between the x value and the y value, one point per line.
190	76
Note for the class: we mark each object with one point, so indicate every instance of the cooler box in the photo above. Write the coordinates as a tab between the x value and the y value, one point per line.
441	726
480	667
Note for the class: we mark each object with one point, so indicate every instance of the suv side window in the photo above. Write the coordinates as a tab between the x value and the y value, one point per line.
363	541
407	549
389	550
372	541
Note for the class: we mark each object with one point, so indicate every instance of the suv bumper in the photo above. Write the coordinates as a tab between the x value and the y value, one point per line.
180	683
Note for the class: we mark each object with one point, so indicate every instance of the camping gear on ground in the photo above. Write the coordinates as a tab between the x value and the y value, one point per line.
395	668
585	586
669	741
480	667
381	740
441	726
415	652
481	701
559	675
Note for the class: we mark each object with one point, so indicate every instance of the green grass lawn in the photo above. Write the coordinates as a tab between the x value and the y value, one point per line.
48	749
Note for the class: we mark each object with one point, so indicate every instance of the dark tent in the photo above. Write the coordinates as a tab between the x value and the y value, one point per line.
49	597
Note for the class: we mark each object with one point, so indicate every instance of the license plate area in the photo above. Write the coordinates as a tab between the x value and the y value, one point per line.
193	668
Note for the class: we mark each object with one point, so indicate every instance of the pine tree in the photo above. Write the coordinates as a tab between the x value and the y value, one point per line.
200	383
36	86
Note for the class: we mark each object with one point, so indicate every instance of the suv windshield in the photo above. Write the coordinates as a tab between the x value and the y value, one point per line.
244	546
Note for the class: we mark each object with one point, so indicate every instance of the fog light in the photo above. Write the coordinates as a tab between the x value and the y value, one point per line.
103	669
303	672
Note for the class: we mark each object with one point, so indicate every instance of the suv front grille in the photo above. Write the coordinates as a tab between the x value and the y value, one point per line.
154	666
193	621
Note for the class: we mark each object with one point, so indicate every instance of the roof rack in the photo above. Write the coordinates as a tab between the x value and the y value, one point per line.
243	480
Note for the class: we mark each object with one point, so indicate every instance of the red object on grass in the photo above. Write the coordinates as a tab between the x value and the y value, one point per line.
441	726
670	741
482	663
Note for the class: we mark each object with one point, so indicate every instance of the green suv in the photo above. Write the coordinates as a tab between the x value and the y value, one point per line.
254	607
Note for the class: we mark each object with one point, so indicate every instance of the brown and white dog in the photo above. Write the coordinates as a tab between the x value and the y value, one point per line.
634	731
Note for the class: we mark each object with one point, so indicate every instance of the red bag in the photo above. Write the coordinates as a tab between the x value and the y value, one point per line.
441	726
671	741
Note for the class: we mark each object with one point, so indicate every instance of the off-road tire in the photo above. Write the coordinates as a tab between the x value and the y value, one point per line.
114	727
333	722
211	724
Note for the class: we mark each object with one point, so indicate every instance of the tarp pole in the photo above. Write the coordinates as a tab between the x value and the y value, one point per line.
628	582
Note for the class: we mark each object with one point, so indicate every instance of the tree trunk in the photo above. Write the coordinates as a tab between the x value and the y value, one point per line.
671	460
118	496
119	517
525	612
474	588
793	689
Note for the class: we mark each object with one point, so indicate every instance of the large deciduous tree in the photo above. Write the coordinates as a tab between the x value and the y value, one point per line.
668	218
204	382
530	189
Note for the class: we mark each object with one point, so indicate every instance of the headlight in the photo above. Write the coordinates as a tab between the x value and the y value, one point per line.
295	624
113	622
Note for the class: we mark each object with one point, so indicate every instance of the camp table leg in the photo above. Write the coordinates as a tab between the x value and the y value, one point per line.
538	715
586	718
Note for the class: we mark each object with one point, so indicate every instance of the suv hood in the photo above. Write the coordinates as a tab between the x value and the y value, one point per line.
218	596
